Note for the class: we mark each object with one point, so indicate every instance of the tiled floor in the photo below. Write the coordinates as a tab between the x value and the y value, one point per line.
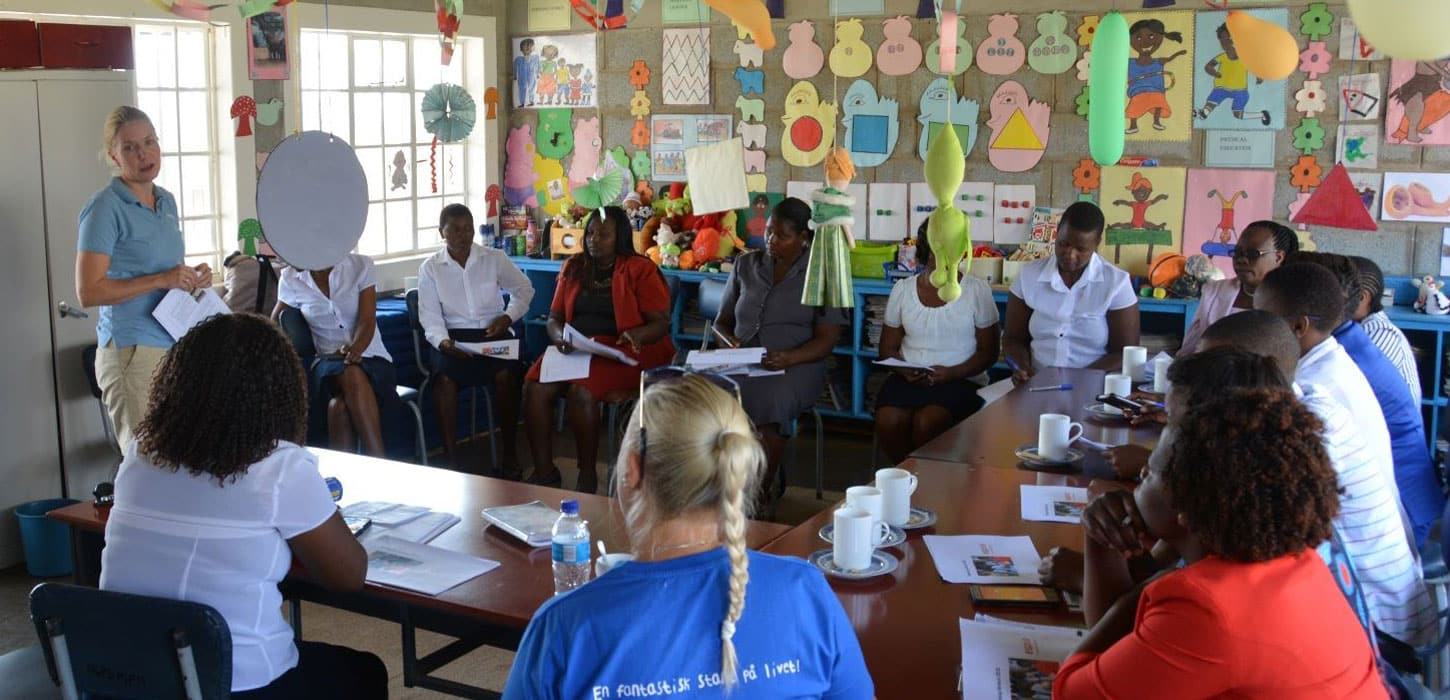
848	461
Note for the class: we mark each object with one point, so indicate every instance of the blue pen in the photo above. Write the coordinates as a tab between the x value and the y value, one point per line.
1012	365
1059	387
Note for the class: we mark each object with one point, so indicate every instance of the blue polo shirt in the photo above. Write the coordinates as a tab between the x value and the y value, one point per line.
1414	470
141	241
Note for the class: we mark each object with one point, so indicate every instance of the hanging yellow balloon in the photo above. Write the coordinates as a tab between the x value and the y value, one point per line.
948	229
1409	29
1266	49
750	14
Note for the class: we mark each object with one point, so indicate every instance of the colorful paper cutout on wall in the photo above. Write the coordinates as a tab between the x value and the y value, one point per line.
1358	146
639	136
1087	176
1001	53
1308	136
1087	29
1161	75
1314	60
1144	210
518	171
873	124
555	70
490	102
810	126
244	109
639	105
750	109
555	135
751	55
1336	203
1084	68
1306	173
1053	51
752	82
673	134
899	52
686	78
1311	98
937	102
269	112
755	182
1367	186
850	56
1020	128
750	15
1416	197
964	53
1352	45
639	74
587	146
752	134
640	165
1359	97
1419	93
1219	204
1316	22
754	159
1225	94
399	177
803	58
551	188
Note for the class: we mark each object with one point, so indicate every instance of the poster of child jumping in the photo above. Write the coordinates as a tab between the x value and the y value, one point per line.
1225	94
555	71
1160	76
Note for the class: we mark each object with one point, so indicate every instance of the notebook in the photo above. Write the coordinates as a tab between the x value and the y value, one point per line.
532	522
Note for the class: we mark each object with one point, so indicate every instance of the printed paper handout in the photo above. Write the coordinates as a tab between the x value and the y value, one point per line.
419	567
1004	660
179	311
1053	504
501	349
984	558
583	343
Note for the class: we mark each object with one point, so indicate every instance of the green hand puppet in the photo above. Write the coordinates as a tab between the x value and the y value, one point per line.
947	229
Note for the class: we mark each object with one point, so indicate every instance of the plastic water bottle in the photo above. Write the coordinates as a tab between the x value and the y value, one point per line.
571	548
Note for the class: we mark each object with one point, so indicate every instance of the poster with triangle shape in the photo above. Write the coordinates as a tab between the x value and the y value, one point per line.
1336	203
1018	135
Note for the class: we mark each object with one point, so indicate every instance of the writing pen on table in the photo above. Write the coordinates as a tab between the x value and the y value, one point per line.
1056	387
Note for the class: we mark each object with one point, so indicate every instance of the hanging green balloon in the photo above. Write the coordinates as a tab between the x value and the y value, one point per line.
947	229
1108	89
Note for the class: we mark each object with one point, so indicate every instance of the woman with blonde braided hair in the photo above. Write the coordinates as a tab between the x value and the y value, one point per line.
686	477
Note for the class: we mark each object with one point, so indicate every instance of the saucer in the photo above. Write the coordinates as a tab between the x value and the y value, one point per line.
919	518
1103	411
1028	454
896	536
881	564
1147	388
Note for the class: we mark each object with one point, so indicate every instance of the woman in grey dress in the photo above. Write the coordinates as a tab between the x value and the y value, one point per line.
762	308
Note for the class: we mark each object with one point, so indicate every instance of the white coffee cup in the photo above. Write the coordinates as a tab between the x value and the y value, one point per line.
1120	384
1160	374
896	486
851	541
869	499
1055	434
1135	362
606	563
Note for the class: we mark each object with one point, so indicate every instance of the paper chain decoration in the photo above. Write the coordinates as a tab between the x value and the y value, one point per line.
1306	174
639	105
751	127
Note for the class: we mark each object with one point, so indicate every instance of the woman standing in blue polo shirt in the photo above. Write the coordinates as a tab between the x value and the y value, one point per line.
130	252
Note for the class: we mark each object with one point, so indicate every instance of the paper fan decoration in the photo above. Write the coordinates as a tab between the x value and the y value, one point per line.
449	112
604	188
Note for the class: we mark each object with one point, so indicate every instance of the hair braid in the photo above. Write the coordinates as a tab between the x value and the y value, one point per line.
738	454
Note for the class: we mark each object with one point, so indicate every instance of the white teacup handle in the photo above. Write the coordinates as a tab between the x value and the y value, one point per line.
1071	436
883	533
911	478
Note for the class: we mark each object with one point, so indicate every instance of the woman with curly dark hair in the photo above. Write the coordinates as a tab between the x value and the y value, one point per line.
218	498
1245	495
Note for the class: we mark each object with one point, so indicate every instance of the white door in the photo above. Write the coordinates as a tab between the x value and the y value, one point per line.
29	462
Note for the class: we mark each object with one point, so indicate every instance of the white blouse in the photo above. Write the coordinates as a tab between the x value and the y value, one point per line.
451	296
945	335
332	318
1216	300
1069	325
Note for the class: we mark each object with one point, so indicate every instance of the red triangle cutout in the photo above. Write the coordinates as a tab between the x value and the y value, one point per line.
1336	203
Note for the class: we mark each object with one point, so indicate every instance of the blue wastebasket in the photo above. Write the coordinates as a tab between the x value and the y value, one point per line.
46	541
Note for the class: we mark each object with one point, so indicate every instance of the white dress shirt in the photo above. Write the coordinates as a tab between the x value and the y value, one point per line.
1215	302
945	335
332	317
1069	325
1327	368
467	296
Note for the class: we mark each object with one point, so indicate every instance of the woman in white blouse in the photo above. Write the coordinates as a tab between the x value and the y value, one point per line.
1074	309
352	369
956	340
1262	247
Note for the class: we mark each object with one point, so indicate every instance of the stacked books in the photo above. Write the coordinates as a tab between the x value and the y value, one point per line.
404	522
531	522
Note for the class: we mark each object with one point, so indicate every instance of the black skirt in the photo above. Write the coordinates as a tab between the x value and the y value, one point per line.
959	397
472	370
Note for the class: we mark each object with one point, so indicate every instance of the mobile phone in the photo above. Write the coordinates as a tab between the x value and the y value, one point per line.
1119	402
1014	596
356	525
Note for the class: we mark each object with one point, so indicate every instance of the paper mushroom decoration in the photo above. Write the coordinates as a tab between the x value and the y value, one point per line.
1409	29
1108	89
1266	49
244	108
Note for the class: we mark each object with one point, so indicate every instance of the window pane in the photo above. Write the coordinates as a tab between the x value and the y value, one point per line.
170	179
400	226
330	112
311	112
368	106
428	210
420	134
397	118
395	63
165	120
149	101
450	169
196	184
372	165
307	67
373	241
400	173
428	65
191	47
195	134
145	51
200	235
333	60
367	63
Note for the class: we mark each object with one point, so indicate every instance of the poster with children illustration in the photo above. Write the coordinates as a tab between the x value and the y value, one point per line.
673	134
1418	103
1225	94
1144	211
1160	76
1218	204
555	71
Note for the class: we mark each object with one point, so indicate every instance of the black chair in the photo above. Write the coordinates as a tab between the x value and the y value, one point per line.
88	360
118	645
426	368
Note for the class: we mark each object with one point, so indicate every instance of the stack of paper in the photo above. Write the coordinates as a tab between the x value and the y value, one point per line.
733	361
874	321
419	567
1005	660
984	559
532	522
501	349
586	344
410	523
901	364
179	311
561	367
1053	504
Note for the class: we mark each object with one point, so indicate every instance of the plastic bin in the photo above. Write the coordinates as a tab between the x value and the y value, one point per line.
867	259
46	541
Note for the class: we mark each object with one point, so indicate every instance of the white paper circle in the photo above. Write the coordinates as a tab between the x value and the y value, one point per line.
312	200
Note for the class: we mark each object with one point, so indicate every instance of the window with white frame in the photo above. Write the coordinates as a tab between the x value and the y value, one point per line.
174	87
367	88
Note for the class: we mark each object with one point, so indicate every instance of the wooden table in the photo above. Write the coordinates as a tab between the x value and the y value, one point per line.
907	621
491	609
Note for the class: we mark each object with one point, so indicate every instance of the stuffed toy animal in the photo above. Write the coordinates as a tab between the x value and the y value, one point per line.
1432	300
1197	270
669	248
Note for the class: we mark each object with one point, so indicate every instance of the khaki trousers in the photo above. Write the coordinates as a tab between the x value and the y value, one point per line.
125	378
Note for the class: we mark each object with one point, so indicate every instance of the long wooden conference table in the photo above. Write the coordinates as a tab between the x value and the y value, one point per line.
906	621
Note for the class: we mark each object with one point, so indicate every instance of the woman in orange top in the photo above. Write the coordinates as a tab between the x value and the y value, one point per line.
615	296
1245	494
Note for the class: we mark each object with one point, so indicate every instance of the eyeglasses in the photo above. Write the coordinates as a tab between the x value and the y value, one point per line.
674	373
1252	254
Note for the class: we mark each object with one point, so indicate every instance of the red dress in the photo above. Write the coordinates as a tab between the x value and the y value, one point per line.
637	287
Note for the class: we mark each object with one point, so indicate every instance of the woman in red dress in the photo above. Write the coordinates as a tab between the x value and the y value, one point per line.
618	297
